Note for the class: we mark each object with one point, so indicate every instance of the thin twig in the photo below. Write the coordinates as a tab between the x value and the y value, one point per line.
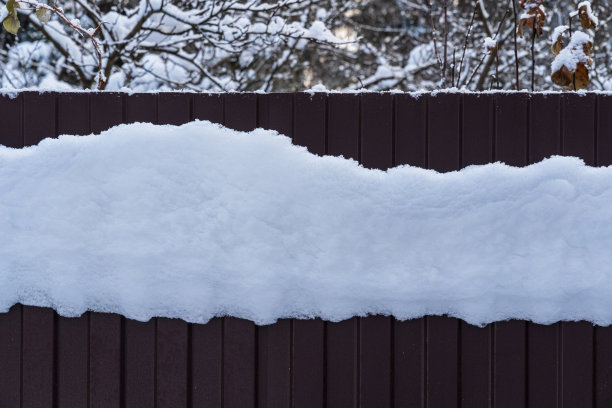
435	41
533	36
482	77
444	66
467	36
570	35
516	60
453	69
78	29
497	66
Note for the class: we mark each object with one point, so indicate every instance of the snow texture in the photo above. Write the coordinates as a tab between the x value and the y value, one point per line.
490	44
573	54
558	31
199	221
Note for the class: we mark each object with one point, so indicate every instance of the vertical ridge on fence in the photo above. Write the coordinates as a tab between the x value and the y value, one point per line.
11	323
171	368
543	340
38	331
376	129
603	335
309	336
139	355
71	334
579	134
207	351
71	360
208	107
342	366
275	112
410	130
410	337
408	353
106	111
577	368
343	125
11	357
274	341
240	111
172	346
240	336
444	142
544	127
140	108
477	130
375	331
509	352
510	129
579	127
138	345
105	330
510	364
308	363
37	357
173	108
477	136
12	126
274	367
105	360
442	357
342	340
207	363
309	127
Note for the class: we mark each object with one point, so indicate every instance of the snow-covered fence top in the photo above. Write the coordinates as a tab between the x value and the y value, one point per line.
368	361
442	131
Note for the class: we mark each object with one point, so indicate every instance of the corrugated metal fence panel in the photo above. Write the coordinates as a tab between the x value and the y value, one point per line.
104	360
603	335
543	349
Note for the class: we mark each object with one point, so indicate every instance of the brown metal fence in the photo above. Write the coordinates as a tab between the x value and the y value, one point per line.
105	360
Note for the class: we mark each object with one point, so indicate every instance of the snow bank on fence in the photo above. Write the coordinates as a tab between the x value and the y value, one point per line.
198	221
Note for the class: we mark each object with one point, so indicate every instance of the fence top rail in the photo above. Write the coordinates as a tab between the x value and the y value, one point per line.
13	93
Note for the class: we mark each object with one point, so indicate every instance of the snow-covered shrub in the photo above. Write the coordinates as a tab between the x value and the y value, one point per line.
571	66
198	44
249	45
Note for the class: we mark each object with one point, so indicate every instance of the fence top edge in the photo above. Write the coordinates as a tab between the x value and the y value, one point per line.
14	93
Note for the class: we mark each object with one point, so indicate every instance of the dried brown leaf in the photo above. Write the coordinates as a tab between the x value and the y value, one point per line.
585	19
581	76
535	16
558	45
563	77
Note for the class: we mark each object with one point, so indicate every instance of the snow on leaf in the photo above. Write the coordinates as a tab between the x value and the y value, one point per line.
557	39
43	14
570	66
587	18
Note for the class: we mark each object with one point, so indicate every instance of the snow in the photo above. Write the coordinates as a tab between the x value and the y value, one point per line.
317	88
199	221
490	44
3	13
573	54
319	32
558	31
589	11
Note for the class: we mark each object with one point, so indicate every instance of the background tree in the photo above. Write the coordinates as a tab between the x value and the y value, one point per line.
284	45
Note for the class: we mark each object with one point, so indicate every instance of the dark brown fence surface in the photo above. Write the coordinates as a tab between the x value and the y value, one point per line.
105	360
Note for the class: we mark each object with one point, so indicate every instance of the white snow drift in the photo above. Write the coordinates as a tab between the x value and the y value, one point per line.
199	221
